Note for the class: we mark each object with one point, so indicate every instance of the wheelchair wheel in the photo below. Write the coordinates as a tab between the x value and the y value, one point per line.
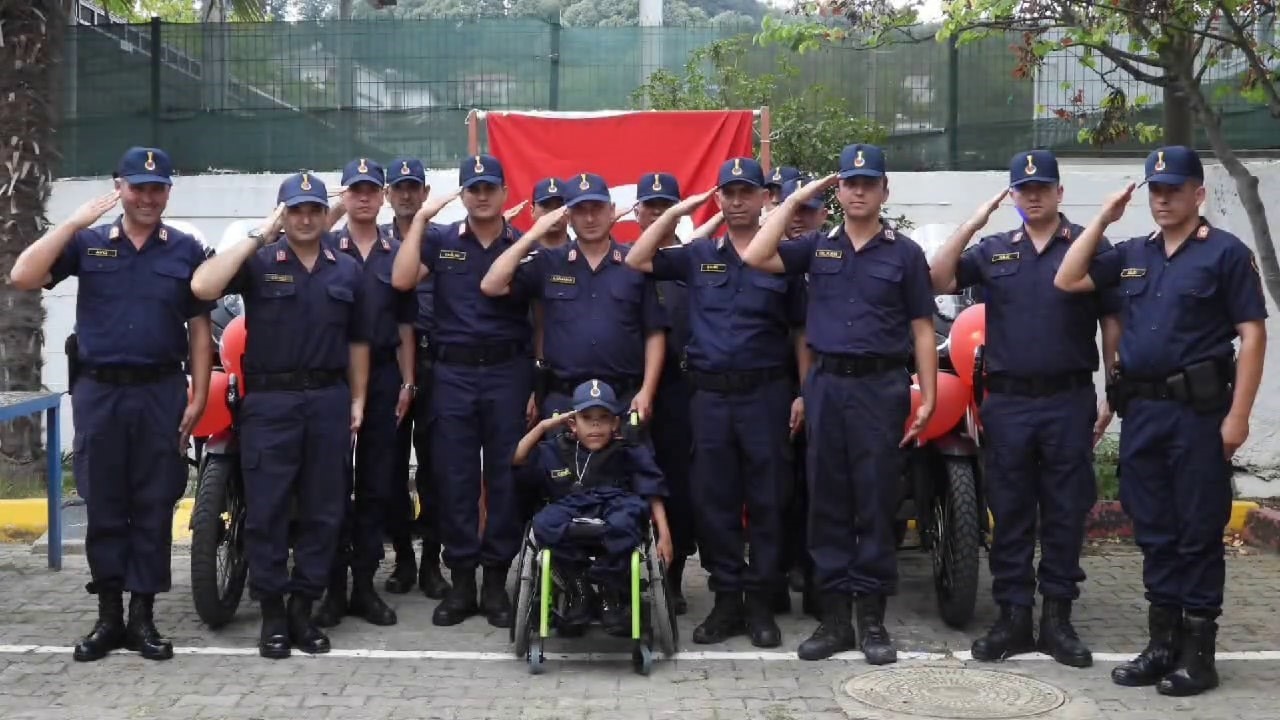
536	658
641	658
665	631
524	621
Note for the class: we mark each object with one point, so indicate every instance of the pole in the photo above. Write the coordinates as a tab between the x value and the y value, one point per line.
650	38
156	49
953	104
553	99
766	145
473	134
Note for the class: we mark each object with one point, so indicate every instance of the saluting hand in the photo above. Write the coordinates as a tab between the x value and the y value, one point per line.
433	206
544	223
272	225
619	213
984	212
510	214
87	214
1114	206
693	202
813	189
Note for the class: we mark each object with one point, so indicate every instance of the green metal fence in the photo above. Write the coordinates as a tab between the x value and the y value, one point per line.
282	96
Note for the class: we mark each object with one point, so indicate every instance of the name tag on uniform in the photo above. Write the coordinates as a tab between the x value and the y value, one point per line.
714	267
1133	272
453	255
561	473
563	279
277	278
1005	257
833	254
102	252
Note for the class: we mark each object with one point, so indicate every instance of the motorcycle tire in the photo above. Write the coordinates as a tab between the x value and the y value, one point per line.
957	536
217	524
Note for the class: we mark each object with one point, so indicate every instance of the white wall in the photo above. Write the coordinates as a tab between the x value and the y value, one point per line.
935	202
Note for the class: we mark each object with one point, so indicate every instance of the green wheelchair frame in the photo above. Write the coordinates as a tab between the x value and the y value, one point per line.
653	620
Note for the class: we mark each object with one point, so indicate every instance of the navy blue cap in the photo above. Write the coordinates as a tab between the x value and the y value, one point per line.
1033	166
742	169
141	165
587	186
480	168
303	188
782	175
861	160
548	189
595	393
789	187
658	186
402	169
363	170
1174	165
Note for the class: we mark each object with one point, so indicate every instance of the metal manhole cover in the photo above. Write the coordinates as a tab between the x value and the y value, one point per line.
945	692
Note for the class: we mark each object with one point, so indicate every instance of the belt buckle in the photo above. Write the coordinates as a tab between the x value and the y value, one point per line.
424	343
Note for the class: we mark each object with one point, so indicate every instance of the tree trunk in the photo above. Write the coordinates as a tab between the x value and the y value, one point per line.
33	33
1177	112
1246	186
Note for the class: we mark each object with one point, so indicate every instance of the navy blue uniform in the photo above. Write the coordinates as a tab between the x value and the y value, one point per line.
1175	483
481	384
857	398
594	321
379	489
127	401
1040	413
740	322
672	428
613	484
296	443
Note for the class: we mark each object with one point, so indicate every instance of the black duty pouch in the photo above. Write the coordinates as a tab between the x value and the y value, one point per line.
541	381
1117	398
72	348
1207	386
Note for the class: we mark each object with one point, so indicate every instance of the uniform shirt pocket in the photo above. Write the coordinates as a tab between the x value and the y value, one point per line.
341	302
275	302
171	281
883	281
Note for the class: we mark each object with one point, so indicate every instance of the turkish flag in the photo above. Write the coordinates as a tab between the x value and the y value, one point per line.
621	147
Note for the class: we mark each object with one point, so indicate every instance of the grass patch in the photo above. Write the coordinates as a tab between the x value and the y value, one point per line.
27	480
1106	460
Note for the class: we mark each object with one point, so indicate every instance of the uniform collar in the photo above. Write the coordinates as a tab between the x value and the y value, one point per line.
161	232
886	233
347	244
282	252
464	230
1063	232
613	255
1201	233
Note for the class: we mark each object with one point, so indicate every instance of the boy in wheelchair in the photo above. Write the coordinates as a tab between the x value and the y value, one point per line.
602	492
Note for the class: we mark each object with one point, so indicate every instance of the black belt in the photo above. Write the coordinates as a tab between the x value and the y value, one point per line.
858	365
130	374
293	381
477	355
621	385
1040	385
737	381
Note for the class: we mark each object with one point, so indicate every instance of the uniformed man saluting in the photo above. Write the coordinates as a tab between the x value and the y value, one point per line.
743	409
481	385
389	317
136	319
306	365
1187	292
870	307
1040	415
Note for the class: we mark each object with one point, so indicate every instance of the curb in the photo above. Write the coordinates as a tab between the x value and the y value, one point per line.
1108	520
27	520
1262	529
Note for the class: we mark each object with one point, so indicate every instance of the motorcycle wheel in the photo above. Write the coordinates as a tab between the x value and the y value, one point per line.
956	538
219	566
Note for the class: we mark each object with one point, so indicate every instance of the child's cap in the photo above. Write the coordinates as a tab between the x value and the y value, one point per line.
594	393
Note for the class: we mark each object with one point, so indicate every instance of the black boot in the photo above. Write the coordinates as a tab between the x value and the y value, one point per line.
430	579
1058	638
108	631
406	570
761	626
725	621
460	602
835	634
1197	668
494	598
780	600
877	646
1012	634
273	640
1161	654
578	604
334	606
141	635
675	584
614	615
365	602
303	633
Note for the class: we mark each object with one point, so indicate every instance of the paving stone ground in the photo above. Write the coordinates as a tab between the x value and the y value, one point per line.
43	608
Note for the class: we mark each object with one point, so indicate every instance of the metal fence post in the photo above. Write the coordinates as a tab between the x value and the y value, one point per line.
553	99
156	68
953	104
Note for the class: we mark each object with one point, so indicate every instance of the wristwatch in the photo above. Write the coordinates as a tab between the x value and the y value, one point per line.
413	389
258	237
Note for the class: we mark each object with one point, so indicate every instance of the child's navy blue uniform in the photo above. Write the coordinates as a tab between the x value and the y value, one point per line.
613	484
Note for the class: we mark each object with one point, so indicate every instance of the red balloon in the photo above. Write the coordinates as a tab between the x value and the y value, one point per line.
217	416
953	399
968	333
234	337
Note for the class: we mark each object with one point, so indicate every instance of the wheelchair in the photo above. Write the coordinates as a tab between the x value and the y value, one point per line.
540	598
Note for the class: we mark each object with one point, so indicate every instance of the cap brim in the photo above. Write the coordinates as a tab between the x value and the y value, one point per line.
658	196
594	403
146	179
860	172
491	179
407	178
1167	179
744	181
543	198
362	177
1034	178
305	199
587	197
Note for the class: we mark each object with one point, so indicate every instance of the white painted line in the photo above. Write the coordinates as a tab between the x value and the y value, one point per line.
692	656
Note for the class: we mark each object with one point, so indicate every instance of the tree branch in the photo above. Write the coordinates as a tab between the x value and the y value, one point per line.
1255	61
1114	56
